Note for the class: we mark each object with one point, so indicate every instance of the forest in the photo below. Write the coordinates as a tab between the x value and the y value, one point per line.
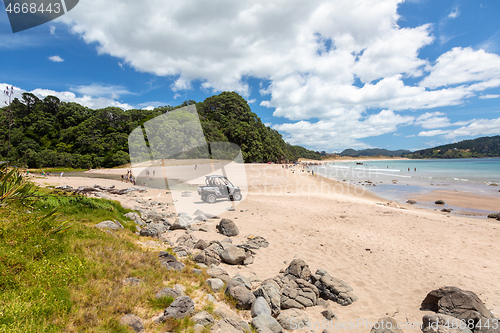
480	147
50	133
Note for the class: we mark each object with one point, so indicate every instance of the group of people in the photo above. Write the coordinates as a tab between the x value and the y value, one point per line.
129	177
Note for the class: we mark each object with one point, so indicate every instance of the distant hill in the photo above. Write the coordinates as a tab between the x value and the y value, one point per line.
374	152
51	133
488	146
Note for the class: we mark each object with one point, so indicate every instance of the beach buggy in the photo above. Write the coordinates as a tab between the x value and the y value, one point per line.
218	187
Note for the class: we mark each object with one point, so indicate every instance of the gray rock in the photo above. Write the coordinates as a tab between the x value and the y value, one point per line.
168	292
244	280
228	228
187	241
135	217
298	269
149	232
133	321
225	312
260	307
439	323
333	289
439	202
233	255
241	294
181	223
173	265
209	256
108	225
458	303
165	256
298	293
217	272
293	319
386	325
230	326
328	314
180	251
257	242
183	306
196	271
201	244
203	318
264	323
411	202
215	284
270	291
493	215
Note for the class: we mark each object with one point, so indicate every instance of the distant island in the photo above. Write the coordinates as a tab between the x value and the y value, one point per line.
374	152
476	148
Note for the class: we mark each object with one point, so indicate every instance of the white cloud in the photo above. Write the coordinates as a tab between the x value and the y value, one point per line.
454	13
56	58
489	96
66	96
323	59
98	90
475	127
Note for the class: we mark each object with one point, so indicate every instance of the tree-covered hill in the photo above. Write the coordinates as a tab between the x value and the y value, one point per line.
374	152
480	147
51	133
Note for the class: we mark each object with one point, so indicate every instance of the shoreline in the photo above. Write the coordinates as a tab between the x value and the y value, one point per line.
392	255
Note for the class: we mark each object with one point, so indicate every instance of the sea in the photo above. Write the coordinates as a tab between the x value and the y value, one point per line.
398	180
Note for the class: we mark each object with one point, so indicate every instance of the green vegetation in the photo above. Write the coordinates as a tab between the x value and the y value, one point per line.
480	147
374	152
51	133
60	274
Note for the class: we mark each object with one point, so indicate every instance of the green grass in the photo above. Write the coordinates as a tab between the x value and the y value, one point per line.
54	170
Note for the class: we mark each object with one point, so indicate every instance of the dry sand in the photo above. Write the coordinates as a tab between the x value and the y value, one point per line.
391	254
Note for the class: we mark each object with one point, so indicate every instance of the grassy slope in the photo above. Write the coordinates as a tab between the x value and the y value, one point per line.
72	281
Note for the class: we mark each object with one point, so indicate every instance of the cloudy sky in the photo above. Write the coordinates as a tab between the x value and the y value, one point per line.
327	74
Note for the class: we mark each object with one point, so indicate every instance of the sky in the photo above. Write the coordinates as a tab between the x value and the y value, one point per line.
327	74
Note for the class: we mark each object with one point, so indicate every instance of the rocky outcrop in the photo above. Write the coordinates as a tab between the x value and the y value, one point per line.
264	323
293	319
241	294
298	269
211	255
270	291
297	293
203	318
233	255
333	289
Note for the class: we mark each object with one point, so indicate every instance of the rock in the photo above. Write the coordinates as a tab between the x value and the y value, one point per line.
180	251
243	279
264	323
165	256
270	291
149	232
328	314
333	289
215	284
168	292
411	202
209	256
200	218
136	218
446	210
217	272
233	255
198	328
439	202
493	216
458	303
241	294
108	225
203	318
133	281
440	323
188	241
298	269
201	244
260	307
256	242
230	326
133	321
196	271
293	319
182	307
298	294
386	325
181	223
226	312
227	228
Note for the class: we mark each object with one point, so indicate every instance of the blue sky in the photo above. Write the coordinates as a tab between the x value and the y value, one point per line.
328	75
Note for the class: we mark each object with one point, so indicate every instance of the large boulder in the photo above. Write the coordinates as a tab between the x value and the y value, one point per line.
168	292
386	325
228	228
461	304
181	223
241	294
108	225
293	319
256	242
270	291
183	306
440	323
215	284
333	289
260	307
264	323
203	318
297	293
233	255
220	273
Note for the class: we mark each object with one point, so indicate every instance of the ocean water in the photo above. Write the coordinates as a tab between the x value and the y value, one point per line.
399	179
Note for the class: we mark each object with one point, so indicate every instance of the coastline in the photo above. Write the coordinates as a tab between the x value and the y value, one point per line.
391	254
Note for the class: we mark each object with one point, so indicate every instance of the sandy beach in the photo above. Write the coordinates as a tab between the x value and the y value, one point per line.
391	254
